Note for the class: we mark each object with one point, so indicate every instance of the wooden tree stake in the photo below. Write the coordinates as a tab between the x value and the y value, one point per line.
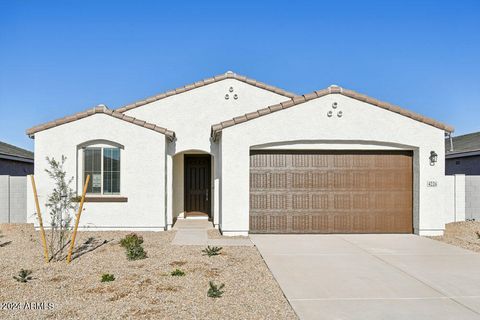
40	221
77	221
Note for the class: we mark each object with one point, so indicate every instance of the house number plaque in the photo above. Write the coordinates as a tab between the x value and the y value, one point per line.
432	184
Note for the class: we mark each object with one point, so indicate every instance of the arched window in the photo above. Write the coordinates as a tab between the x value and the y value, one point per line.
102	161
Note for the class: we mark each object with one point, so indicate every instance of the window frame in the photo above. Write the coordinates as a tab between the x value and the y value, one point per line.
84	176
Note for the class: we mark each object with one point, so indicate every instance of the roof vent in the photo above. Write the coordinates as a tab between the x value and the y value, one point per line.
229	72
335	89
100	107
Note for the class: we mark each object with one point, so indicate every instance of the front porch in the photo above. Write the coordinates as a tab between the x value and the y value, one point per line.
192	191
201	232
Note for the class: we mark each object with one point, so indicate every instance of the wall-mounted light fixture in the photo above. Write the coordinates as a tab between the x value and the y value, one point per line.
433	158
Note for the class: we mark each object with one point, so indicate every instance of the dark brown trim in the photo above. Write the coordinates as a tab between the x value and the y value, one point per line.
104	199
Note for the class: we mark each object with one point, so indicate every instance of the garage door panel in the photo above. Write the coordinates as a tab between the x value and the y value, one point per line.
331	192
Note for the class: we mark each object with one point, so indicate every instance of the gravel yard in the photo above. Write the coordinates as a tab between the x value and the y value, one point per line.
143	289
462	234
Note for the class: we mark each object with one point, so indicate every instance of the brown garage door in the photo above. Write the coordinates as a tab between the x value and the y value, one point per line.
331	192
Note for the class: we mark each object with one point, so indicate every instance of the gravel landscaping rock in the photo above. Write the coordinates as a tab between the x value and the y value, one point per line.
462	234
142	289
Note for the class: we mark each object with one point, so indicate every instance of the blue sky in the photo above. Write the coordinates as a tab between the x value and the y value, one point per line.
61	57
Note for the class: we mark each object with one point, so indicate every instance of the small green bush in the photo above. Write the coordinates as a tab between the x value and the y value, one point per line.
131	240
23	276
133	246
107	277
215	291
212	251
136	253
177	273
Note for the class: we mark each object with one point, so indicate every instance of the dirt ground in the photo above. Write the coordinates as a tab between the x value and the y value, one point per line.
464	234
143	289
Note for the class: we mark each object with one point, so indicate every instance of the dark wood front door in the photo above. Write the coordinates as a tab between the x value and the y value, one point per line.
197	185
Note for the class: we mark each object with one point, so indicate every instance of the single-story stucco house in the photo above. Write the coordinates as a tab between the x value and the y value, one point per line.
463	154
252	158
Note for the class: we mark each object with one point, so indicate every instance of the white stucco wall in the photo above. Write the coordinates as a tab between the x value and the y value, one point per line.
142	172
306	126
191	115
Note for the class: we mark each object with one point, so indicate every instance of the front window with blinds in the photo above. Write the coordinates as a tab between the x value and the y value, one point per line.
103	166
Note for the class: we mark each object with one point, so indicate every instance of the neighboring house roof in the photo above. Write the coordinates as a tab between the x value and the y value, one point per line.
463	145
101	109
217	128
8	151
201	83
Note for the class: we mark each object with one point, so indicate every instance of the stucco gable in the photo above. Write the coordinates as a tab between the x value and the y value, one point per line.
202	83
103	110
297	100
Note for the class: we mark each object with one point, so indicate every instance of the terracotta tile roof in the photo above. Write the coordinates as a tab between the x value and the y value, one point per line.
101	109
217	128
201	83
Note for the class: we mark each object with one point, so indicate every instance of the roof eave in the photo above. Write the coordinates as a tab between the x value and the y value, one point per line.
204	82
461	154
297	100
101	109
15	158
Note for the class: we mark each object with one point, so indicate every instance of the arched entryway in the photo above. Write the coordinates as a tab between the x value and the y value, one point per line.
192	185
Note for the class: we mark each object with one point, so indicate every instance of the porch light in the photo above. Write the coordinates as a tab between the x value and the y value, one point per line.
433	158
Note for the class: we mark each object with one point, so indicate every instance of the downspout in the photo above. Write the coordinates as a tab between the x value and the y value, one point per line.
165	212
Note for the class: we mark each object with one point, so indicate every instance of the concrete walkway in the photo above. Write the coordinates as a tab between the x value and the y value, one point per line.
373	276
195	233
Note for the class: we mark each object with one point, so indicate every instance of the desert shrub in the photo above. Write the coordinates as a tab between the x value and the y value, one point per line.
133	246
136	253
23	276
212	251
177	273
215	291
107	277
131	240
60	205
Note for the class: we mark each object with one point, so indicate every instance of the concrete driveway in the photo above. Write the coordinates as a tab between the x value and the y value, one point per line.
373	276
